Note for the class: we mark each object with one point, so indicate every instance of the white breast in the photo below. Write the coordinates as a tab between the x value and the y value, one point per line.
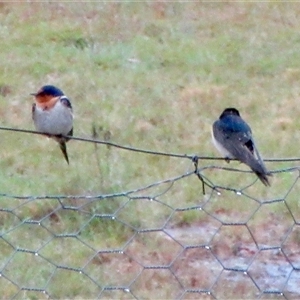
57	120
220	147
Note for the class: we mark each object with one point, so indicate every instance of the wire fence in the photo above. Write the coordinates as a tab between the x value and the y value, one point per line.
236	240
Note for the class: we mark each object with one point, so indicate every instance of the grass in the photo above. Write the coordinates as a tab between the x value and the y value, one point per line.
149	75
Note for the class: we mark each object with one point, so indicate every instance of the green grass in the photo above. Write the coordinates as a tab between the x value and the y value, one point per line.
148	75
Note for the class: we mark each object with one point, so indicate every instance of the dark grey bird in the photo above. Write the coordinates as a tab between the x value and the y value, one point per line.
232	136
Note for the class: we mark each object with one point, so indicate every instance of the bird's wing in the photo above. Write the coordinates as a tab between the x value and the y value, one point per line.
71	132
33	110
239	143
259	158
66	102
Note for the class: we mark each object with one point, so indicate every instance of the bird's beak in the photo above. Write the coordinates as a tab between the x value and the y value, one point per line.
33	94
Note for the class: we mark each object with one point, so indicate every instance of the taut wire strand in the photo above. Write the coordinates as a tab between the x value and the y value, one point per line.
151	152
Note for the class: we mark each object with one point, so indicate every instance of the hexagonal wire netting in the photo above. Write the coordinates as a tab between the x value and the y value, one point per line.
122	248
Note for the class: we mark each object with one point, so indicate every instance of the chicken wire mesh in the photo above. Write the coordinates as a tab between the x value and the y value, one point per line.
153	242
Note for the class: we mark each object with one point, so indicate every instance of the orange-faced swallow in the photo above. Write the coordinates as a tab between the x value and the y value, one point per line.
232	136
52	114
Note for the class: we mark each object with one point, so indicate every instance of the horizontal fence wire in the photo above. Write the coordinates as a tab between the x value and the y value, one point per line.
212	232
133	149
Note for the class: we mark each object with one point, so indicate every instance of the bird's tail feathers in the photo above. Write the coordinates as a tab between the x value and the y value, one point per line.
62	143
260	160
263	178
63	148
258	167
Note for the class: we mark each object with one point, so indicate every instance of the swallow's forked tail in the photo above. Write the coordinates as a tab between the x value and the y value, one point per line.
263	178
63	147
258	167
263	173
